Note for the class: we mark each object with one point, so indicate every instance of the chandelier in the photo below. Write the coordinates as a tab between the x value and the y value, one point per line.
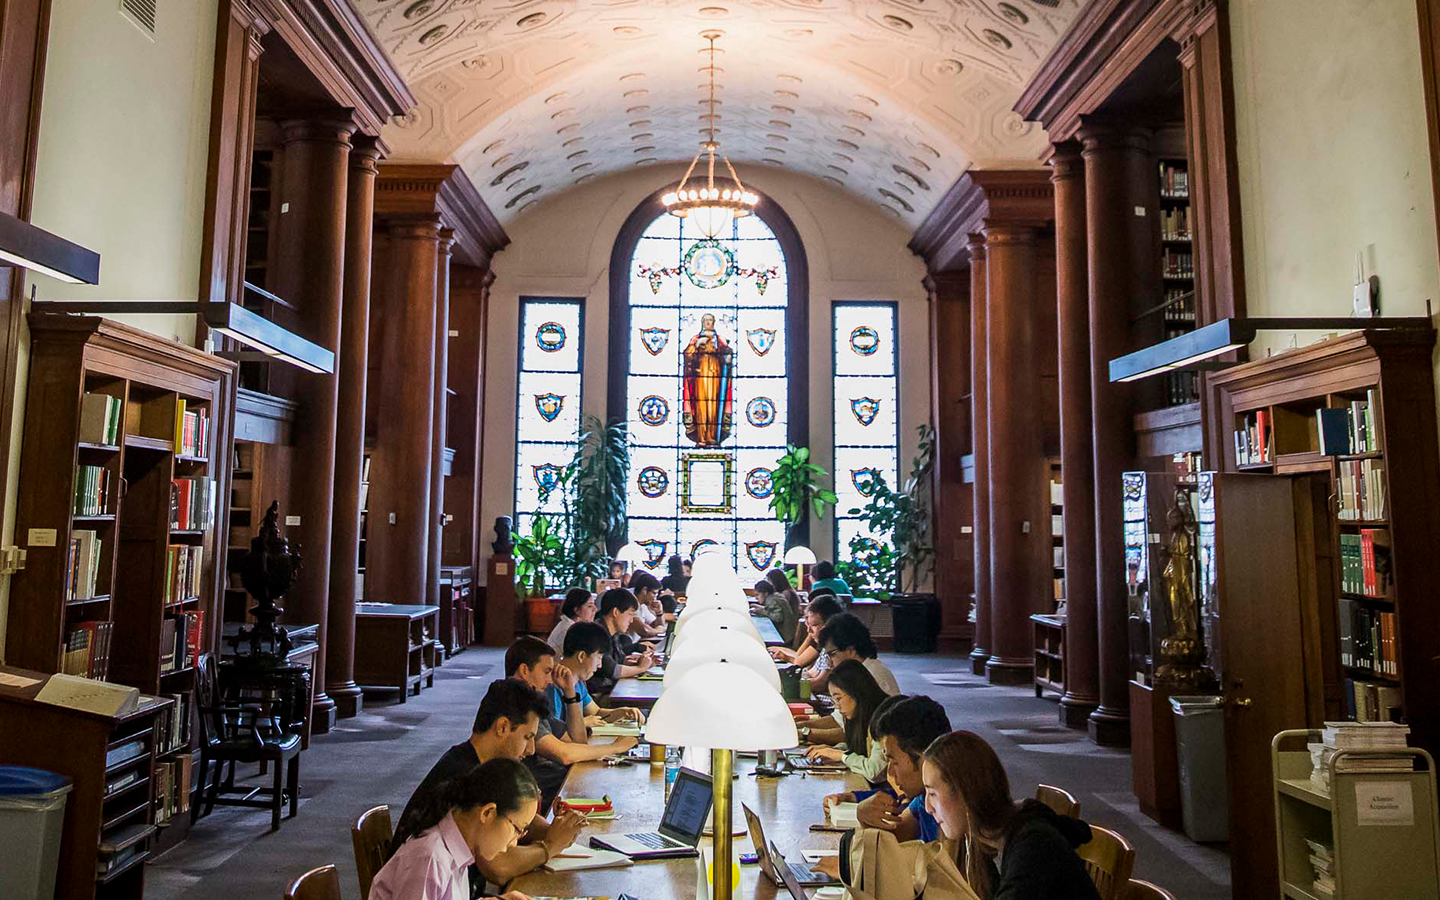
711	206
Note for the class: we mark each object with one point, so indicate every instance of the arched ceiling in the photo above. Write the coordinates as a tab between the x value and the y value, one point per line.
890	99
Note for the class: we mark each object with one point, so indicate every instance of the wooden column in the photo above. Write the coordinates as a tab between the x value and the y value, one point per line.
950	405
309	273
398	541
440	398
354	357
469	292
1018	496
980	444
1077	462
1118	178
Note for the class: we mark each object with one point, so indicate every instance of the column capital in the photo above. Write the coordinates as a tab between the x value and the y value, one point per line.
420	227
447	241
1099	135
975	243
365	153
326	129
1009	233
1066	161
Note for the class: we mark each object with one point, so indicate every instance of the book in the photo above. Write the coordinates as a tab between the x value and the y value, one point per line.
576	858
89	695
99	419
1335	430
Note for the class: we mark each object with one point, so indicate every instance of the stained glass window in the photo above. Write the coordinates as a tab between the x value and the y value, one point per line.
548	418
867	423
706	391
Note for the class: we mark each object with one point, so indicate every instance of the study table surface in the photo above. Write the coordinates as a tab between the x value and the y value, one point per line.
787	807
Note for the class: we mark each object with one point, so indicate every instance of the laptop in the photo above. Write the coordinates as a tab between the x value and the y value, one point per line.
680	827
774	866
787	877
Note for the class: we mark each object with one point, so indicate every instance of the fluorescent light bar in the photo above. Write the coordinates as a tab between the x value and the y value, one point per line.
254	330
24	245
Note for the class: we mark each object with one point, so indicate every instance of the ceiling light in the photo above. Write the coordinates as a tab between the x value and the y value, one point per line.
36	249
711	207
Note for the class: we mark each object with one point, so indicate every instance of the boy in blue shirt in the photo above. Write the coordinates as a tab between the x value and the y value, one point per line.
585	647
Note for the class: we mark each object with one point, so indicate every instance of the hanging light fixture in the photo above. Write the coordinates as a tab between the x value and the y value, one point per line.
710	206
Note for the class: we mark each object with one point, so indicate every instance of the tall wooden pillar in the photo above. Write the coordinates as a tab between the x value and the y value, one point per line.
354	357
397	551
1018	496
980	447
950	403
1077	462
309	273
469	293
440	398
1118	179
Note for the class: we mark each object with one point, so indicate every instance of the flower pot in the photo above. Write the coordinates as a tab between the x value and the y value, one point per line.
541	614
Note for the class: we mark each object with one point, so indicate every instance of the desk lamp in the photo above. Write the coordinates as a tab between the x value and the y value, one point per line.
799	557
726	706
722	645
633	555
714	595
706	620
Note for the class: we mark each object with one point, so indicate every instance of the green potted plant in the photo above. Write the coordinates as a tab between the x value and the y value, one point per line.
798	489
539	552
596	499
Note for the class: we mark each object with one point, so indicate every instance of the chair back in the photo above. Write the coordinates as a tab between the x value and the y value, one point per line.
1109	859
317	884
207	701
1058	799
371	835
1144	890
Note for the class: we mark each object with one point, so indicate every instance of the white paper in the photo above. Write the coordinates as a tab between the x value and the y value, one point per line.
575	857
17	681
845	815
814	856
615	730
1384	803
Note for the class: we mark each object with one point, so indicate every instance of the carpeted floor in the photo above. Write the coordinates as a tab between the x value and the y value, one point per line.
379	756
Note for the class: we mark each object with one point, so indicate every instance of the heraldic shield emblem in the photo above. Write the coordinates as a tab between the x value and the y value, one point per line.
654	339
865	409
761	340
760	553
547	476
654	552
549	406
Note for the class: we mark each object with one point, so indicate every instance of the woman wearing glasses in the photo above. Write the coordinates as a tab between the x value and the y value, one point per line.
476	816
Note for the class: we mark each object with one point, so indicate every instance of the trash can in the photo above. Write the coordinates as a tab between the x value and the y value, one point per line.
916	620
1200	746
32	813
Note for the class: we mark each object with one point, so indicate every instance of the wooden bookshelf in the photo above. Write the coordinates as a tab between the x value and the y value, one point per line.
147	604
1177	270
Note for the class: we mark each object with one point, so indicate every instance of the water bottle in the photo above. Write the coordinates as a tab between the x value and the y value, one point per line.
672	769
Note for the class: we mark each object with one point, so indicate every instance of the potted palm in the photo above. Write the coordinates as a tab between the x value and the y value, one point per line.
797	489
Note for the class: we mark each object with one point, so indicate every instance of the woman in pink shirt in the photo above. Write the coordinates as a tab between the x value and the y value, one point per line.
475	816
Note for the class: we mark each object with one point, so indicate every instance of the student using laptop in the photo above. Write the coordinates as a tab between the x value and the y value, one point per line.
809	654
565	740
857	698
585	646
770	865
617	609
680	827
846	637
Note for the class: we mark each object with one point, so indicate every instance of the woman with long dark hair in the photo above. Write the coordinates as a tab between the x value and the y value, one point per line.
857	696
1008	851
476	816
678	581
783	589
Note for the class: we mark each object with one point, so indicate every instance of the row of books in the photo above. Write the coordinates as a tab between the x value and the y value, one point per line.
1254	439
1365	563
1362	489
1322	861
172	727
1174	181
1059	589
1182	388
1349	429
1059	557
100	419
1181	306
1367	638
1381	742
180	640
192	430
172	789
82	565
87	650
1370	701
1177	264
183	569
1175	224
92	491
192	503
121	847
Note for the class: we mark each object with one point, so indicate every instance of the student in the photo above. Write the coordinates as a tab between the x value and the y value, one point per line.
470	819
579	606
846	637
774	606
678	581
504	728
617	609
905	726
1023	851
826	579
649	614
856	697
817	613
566	741
585	646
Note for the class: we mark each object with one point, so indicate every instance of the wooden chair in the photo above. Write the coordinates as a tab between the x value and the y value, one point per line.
1109	859
371	835
1144	890
317	884
1058	799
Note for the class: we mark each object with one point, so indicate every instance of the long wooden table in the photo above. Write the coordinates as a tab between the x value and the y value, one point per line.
786	806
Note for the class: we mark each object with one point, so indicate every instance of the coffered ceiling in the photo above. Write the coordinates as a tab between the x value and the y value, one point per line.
890	99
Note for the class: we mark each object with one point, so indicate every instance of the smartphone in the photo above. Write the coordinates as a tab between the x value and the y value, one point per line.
749	859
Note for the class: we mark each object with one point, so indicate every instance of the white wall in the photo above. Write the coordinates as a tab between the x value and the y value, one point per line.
1333	157
121	164
562	247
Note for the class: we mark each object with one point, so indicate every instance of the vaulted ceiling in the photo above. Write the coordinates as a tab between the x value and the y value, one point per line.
890	99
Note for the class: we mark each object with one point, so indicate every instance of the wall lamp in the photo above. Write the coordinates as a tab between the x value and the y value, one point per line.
1197	350
36	249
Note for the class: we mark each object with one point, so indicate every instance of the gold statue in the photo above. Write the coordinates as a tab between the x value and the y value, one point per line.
1182	654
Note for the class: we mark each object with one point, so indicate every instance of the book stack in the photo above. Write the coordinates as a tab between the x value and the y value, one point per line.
173	726
1175	224
192	430
172	789
1181	387
92	490
183	569
1374	745
1177	264
1174	181
192	503
87	650
1362	489
1367	639
1365	563
100	419
1349	429
1322	859
82	565
1254	439
180	640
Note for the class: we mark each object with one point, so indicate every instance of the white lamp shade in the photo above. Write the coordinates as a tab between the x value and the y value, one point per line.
739	606
708	619
698	636
723	646
711	564
799	556
632	553
729	596
725	705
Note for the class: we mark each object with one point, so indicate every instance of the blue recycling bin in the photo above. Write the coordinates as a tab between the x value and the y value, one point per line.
32	816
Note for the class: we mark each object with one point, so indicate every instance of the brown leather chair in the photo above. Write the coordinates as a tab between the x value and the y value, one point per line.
317	884
371	835
1144	890
1109	859
1058	799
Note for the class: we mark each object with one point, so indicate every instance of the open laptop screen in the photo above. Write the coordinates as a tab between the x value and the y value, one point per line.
688	806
